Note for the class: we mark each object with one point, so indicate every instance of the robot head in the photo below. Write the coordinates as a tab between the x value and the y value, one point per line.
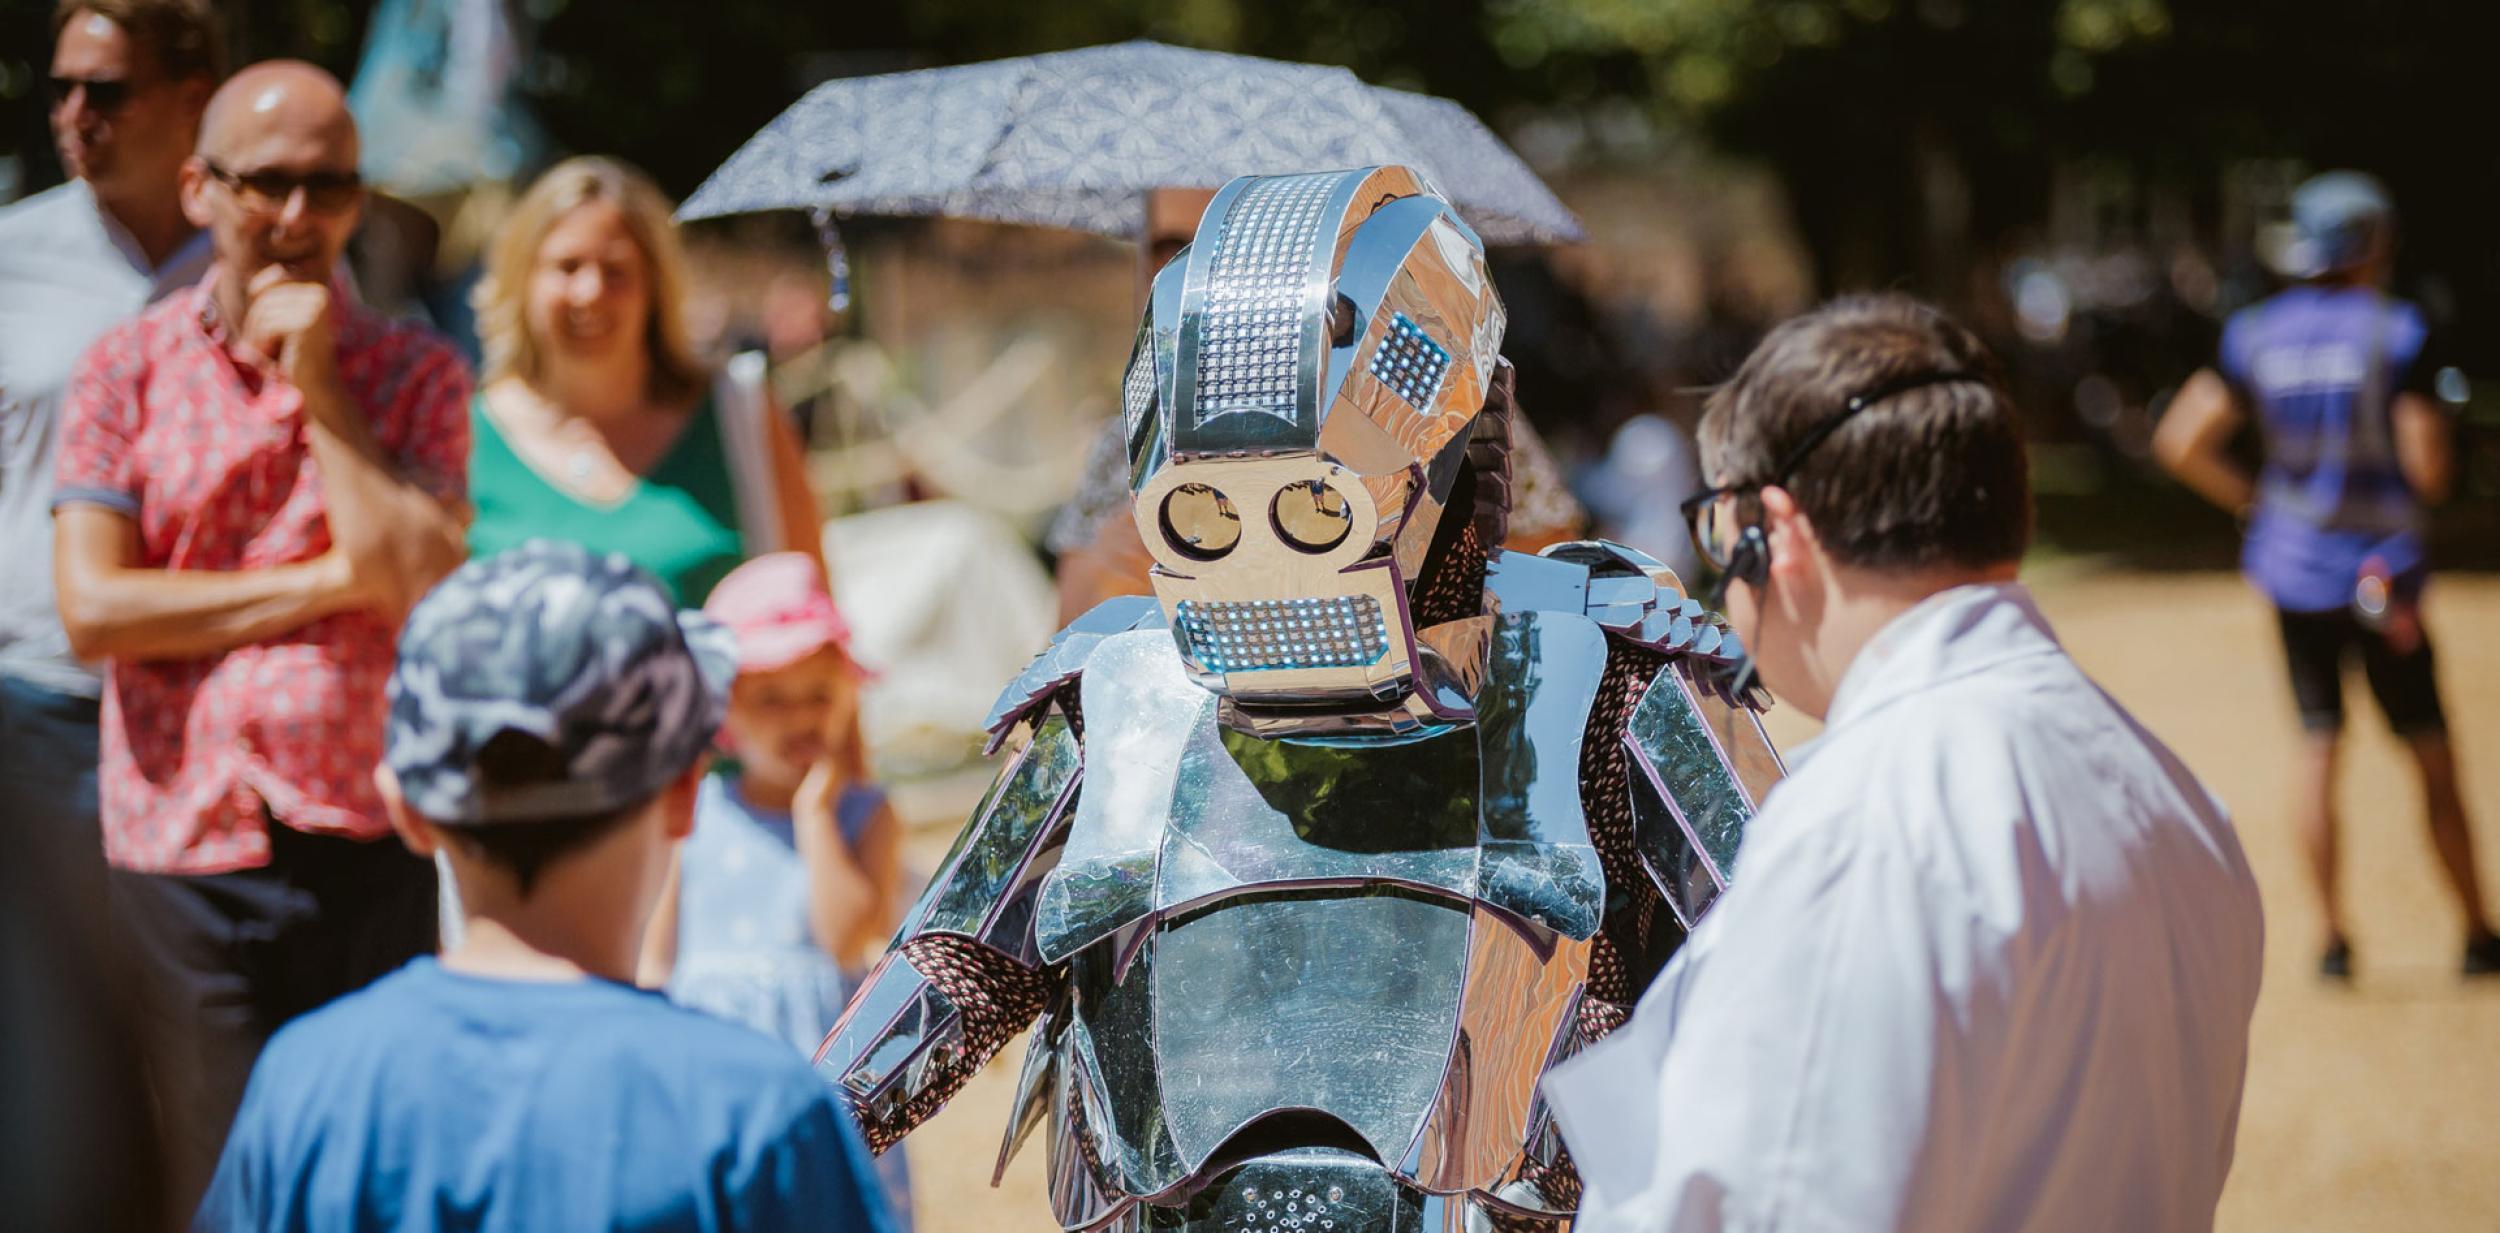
1298	407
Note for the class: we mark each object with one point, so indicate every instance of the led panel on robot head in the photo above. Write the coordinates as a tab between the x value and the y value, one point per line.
1298	405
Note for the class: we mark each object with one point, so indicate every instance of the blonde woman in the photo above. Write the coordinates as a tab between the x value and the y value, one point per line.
595	421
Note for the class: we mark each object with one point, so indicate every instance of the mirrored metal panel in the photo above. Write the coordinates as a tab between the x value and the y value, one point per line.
1532	715
1518	998
1346	1004
1310	1190
1683	878
994	849
881	1027
1037	1084
1059	662
1522	583
1252	315
1109	1054
1140	707
1672	734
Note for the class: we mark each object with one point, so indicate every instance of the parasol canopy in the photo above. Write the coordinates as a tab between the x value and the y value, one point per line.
1076	139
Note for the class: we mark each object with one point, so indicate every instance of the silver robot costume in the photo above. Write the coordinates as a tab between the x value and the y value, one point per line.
1314	862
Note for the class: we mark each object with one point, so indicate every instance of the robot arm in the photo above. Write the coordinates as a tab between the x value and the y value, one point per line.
1697	762
1674	763
962	977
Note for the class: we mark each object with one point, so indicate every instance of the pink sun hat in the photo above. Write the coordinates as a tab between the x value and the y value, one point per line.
779	610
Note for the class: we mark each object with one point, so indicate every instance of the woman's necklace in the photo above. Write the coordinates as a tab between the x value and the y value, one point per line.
576	448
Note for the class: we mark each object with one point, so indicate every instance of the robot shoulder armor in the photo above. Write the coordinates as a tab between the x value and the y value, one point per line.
1064	660
1634	597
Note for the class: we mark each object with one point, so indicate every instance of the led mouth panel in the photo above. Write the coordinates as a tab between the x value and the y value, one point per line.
1346	631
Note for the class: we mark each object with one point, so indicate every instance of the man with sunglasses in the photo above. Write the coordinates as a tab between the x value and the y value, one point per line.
129	81
1992	959
257	478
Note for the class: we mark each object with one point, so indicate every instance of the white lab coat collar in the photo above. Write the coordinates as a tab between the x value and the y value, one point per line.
1943	638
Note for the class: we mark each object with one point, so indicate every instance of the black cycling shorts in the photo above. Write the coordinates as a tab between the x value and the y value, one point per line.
2317	645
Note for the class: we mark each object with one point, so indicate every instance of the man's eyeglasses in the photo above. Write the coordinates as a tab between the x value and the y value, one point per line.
267	192
105	95
1716	523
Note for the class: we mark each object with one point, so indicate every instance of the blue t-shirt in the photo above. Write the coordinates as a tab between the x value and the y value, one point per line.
435	1100
2320	367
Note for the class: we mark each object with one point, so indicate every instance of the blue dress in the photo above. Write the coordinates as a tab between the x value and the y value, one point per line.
744	950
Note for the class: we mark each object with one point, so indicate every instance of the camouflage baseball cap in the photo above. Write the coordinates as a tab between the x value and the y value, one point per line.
582	651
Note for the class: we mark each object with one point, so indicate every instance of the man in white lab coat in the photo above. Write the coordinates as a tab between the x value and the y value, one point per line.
1990	960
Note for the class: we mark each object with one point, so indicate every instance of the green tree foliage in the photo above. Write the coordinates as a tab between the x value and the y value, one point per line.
1915	136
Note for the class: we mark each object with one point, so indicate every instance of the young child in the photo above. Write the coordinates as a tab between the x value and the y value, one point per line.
549	719
790	880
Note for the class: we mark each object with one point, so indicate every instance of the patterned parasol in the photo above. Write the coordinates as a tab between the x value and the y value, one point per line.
1076	139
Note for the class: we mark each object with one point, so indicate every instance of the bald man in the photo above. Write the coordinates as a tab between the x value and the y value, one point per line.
256	479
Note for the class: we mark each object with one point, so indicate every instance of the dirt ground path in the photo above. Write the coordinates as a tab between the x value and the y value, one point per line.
2373	1108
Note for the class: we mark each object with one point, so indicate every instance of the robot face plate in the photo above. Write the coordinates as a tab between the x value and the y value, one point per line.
1260	564
1298	405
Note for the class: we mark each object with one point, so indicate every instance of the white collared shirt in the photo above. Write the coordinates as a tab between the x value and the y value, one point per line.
1988	965
68	273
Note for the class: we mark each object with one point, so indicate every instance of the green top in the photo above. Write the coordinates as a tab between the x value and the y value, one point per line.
680	522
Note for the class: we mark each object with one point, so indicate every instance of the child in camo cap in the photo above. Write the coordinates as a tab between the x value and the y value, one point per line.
549	717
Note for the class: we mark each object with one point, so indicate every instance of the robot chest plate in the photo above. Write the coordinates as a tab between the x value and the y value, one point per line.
1176	812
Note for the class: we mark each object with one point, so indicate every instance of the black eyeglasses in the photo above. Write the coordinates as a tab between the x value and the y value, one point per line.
1714	526
267	192
105	95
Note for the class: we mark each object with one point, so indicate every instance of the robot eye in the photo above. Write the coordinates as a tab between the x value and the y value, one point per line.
1200	522
1312	516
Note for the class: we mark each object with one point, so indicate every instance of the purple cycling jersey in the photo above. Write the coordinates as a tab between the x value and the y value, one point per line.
2320	368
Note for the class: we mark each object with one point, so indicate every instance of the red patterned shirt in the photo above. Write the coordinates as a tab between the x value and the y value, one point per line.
208	457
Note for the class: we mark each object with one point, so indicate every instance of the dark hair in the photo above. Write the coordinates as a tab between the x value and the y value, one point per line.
181	37
1930	476
514	759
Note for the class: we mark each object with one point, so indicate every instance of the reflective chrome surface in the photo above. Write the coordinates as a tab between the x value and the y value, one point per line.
1317	1190
1517	1003
1521	583
1293	1003
1533	715
1311	515
1037	1085
1312	1190
1200	522
1180	811
896	1028
1708	760
971	890
1109	1060
1687	882
1142	708
1253	315
1060	662
1263	618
